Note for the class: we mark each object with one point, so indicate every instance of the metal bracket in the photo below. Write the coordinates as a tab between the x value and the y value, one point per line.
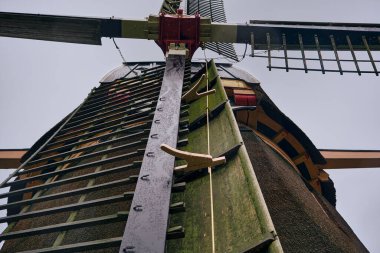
193	94
190	176
202	119
194	161
177	49
263	244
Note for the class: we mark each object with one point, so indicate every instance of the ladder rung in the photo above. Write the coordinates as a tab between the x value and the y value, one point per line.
65	194
104	139
134	165
122	216
74	168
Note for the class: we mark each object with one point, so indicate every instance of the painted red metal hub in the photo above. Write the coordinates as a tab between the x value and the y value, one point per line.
178	29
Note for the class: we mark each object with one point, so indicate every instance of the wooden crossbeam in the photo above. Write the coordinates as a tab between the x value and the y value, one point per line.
341	159
10	158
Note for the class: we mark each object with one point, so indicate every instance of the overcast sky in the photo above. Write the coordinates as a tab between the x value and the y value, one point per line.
41	82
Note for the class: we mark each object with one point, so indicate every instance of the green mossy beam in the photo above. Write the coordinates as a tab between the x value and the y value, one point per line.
240	213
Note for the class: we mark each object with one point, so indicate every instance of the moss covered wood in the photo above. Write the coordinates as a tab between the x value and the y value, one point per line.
240	213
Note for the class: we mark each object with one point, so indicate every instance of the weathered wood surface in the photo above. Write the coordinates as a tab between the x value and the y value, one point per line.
148	220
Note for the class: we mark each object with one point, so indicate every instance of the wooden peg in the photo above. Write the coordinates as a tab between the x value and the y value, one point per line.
193	94
194	161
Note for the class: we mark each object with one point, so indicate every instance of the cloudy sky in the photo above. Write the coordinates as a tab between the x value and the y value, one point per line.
41	82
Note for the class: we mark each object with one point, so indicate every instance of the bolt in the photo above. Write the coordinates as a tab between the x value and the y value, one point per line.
138	208
128	249
145	177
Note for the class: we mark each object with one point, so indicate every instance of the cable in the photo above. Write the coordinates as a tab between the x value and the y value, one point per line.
121	54
208	152
118	49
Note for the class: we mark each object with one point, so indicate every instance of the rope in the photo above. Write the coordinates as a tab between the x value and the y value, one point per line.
118	49
209	168
122	56
228	58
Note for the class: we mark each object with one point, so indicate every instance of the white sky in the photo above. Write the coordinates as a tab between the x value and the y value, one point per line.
41	82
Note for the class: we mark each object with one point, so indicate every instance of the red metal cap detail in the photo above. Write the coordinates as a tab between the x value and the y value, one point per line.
245	100
179	29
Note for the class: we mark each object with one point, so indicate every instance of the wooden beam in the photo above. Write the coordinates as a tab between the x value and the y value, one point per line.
300	158
341	159
236	84
10	158
280	136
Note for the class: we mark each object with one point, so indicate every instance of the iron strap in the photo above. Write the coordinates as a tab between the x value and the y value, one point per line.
148	219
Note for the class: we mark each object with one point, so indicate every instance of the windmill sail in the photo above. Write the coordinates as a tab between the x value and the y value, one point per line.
70	29
214	10
281	36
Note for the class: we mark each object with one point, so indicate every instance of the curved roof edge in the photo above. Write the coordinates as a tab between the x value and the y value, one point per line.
274	112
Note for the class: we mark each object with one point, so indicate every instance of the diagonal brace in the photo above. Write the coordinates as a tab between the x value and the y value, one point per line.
194	161
193	94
